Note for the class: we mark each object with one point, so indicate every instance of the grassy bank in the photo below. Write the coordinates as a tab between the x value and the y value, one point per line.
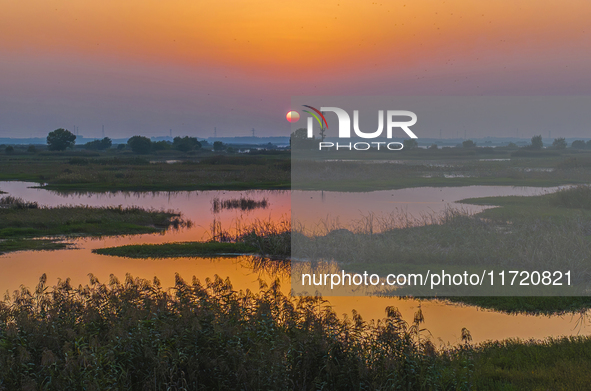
553	364
113	171
22	221
173	250
262	238
529	305
135	335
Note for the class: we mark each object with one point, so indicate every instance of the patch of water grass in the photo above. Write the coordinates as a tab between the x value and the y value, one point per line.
528	305
244	204
264	238
21	220
174	250
11	245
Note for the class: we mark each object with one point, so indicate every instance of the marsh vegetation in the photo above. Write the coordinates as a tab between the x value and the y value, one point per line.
136	335
112	171
23	223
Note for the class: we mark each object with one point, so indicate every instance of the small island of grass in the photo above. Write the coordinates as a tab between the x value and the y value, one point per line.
174	250
28	226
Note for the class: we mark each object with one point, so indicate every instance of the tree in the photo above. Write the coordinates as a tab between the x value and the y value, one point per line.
559	143
299	140
140	144
218	146
31	149
468	144
120	147
60	139
161	145
9	149
578	144
410	143
99	145
433	146
300	134
185	144
536	142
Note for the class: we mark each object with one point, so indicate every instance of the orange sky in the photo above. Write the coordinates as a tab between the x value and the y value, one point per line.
196	63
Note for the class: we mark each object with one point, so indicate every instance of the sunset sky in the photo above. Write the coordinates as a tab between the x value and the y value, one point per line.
144	67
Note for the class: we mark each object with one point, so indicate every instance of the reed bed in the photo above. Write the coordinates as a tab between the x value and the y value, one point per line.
578	197
135	335
20	219
270	238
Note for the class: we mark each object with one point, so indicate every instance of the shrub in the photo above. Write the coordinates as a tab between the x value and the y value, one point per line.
218	146
160	145
468	144
186	144
578	144
99	145
140	144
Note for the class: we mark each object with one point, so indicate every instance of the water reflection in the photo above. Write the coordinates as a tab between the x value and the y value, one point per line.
443	320
314	208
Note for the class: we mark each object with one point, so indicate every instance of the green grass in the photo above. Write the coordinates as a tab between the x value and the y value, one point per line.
553	364
173	250
528	305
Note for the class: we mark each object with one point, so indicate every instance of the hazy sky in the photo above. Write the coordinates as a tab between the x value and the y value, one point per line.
147	66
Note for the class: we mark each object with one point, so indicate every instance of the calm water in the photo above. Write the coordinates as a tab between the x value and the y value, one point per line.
444	321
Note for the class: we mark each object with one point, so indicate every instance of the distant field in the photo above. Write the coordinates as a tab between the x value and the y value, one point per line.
451	167
114	170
